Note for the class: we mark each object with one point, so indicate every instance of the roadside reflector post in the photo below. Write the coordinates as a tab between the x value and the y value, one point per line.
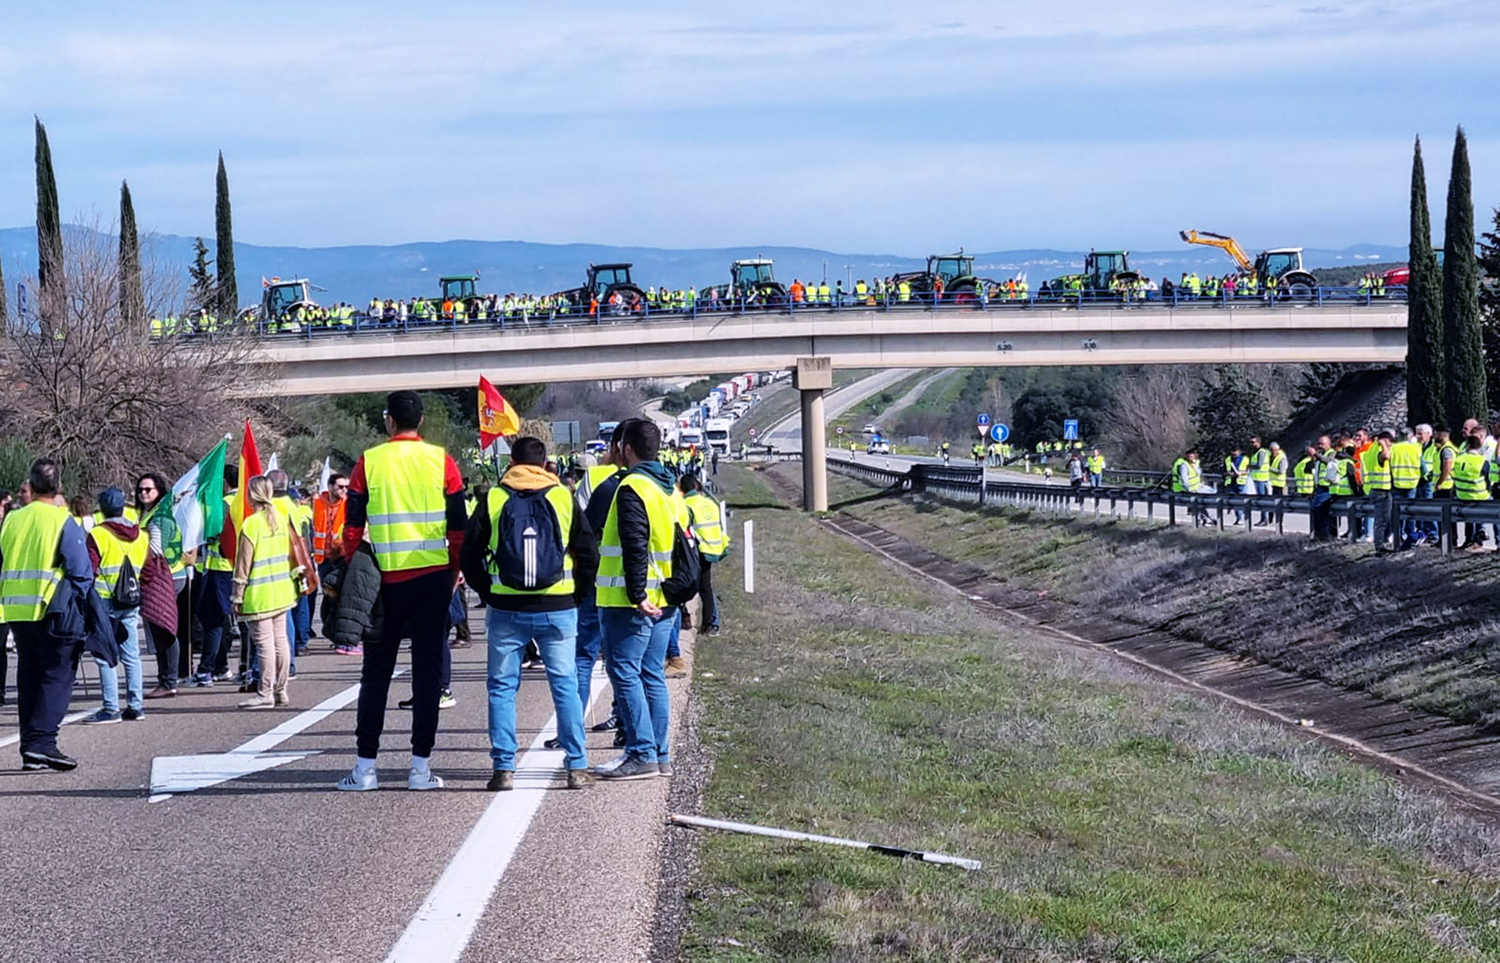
750	557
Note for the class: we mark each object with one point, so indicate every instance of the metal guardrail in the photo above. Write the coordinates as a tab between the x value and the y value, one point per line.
576	315
969	486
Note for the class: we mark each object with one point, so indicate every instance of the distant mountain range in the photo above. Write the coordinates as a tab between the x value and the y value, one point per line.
355	273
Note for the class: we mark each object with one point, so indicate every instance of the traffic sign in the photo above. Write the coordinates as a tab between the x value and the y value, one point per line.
840	429
999	432
1070	429
983	420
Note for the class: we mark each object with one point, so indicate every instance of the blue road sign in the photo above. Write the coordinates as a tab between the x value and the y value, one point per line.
1070	429
999	432
983	420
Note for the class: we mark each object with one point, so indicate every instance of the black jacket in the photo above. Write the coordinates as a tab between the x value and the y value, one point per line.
359	616
472	559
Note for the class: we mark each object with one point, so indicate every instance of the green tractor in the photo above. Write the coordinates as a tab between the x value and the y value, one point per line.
753	279
960	285
1101	271
611	286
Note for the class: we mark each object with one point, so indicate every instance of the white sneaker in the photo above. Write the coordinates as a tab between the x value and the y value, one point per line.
359	781
420	779
613	764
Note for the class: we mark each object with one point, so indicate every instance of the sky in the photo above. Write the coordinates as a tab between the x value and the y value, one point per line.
877	126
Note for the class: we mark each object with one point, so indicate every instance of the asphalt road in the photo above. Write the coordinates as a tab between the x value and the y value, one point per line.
278	865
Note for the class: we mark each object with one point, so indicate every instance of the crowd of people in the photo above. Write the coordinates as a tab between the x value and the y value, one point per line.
1385	467
383	555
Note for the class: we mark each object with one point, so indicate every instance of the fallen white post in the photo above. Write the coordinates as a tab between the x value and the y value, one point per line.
701	823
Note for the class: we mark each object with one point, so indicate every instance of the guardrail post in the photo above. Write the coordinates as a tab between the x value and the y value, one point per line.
1445	529
983	486
1350	516
1221	513
1171	509
1249	521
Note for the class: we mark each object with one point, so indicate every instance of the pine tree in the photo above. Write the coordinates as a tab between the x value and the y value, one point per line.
49	246
1462	338
229	296
202	292
132	299
1425	373
1230	409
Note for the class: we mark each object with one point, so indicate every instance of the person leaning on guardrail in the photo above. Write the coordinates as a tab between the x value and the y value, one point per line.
1406	479
1471	483
1377	485
1324	470
1445	451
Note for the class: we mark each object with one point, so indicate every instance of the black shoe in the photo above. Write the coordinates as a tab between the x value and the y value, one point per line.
55	759
613	722
619	738
132	715
503	780
406	703
553	743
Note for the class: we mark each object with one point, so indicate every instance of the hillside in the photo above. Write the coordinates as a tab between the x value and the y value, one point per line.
355	273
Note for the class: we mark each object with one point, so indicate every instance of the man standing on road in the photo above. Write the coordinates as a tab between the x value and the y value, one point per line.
110	543
328	530
410	495
635	559
1377	487
527	551
707	517
1324	528
1444	453
42	553
1095	465
1260	475
1236	478
1406	479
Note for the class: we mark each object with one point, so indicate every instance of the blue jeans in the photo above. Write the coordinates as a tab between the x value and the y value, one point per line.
130	658
588	646
674	651
1263	489
1414	528
556	636
303	612
635	657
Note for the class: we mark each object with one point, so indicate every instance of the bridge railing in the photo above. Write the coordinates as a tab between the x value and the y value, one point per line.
525	319
968	486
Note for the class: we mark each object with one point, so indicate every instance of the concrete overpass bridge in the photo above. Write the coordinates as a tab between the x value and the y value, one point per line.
813	343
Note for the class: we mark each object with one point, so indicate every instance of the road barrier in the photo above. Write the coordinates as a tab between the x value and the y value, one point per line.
969	486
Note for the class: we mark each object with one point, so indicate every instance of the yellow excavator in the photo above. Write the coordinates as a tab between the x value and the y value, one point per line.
1279	270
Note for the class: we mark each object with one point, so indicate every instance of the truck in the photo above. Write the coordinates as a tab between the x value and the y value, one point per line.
690	438
1104	273
607	430
716	434
611	286
753	279
1277	270
960	285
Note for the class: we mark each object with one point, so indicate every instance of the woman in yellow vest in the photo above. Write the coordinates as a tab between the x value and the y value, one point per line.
264	590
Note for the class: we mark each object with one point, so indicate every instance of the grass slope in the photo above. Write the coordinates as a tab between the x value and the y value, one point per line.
1118	818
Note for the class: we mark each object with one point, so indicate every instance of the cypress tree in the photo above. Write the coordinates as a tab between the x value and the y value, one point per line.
1425	376
4	308
229	296
132	300
49	249
1463	339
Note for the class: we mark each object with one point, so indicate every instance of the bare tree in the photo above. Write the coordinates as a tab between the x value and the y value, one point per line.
1148	424
100	391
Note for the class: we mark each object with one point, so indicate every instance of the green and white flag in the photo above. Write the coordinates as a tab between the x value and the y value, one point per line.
198	499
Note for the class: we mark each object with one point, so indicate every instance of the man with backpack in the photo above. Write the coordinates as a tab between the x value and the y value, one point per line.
529	553
118	550
648	566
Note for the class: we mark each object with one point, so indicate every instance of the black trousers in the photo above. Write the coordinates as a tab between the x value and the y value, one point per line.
710	614
4	660
170	661
417	609
45	668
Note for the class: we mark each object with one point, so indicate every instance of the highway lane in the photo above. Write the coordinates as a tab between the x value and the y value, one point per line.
280	864
786	434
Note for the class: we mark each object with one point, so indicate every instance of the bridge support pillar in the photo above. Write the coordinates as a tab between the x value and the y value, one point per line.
812	377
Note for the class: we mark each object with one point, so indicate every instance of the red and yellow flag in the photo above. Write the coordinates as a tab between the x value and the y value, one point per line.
239	505
496	417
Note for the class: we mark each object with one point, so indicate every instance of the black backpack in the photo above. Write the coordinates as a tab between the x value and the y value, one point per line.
529	551
687	569
126	593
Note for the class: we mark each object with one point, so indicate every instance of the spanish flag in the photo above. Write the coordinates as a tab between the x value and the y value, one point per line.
239	505
496	417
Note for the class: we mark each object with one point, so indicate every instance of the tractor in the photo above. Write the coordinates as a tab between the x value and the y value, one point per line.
957	274
1279	270
605	281
459	289
752	279
282	301
1102	271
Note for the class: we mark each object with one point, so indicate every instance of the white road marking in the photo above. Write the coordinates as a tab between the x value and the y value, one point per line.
179	774
71	717
445	922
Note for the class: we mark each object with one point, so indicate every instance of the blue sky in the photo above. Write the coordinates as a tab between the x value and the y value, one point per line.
873	127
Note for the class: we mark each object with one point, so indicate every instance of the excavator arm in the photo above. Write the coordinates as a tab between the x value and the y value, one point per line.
1223	242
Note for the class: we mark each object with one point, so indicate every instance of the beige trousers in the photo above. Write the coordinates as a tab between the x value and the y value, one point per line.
271	648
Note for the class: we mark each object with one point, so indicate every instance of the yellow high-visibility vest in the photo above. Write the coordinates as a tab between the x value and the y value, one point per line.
213	559
1305	475
562	505
1406	465
269	588
1377	476
1278	470
113	551
407	520
1194	479
661	513
1469	483
708	526
31	570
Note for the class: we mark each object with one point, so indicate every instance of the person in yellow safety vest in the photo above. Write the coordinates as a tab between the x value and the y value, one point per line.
637	619
1304	473
825	295
1406	479
1187	478
213	606
153	496
1471	483
409	495
1236	477
530	585
111	544
1375	477
271	571
712	534
43	554
595	495
299	520
1260	474
861	291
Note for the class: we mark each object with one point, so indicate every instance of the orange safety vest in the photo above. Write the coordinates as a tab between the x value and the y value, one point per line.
328	525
